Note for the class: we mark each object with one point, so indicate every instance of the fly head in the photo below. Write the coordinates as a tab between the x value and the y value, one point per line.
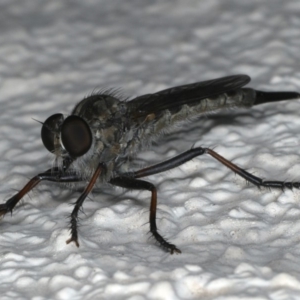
70	137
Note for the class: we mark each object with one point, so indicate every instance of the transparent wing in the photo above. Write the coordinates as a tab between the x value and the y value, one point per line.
175	97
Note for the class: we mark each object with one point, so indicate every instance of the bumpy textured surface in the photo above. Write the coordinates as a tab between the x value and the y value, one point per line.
237	242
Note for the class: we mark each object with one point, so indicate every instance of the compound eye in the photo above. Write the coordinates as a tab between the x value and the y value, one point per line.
49	130
76	136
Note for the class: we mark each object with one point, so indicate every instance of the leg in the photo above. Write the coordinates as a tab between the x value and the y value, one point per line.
135	184
251	178
168	164
49	175
55	175
129	181
190	154
78	204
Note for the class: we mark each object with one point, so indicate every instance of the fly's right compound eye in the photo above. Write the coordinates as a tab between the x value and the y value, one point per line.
76	136
50	129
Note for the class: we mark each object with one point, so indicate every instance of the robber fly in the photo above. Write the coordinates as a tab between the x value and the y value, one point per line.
96	142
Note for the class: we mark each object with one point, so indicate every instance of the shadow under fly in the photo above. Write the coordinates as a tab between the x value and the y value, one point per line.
98	140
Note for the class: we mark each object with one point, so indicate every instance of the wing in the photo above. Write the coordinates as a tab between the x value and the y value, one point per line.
175	97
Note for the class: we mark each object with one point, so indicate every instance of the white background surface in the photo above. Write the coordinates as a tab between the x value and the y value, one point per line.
238	242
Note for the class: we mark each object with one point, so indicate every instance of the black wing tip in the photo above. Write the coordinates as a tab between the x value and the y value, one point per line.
244	79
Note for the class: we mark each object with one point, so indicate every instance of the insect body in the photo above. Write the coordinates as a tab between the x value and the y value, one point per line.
97	140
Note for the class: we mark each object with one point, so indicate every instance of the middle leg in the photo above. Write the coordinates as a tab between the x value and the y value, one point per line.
135	184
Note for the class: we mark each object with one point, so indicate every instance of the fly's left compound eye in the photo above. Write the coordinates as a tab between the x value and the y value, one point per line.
76	136
49	129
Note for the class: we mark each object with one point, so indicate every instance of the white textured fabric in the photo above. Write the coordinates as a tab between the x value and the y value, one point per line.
237	242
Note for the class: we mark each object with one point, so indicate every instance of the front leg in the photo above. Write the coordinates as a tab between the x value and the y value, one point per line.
135	184
53	175
79	202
